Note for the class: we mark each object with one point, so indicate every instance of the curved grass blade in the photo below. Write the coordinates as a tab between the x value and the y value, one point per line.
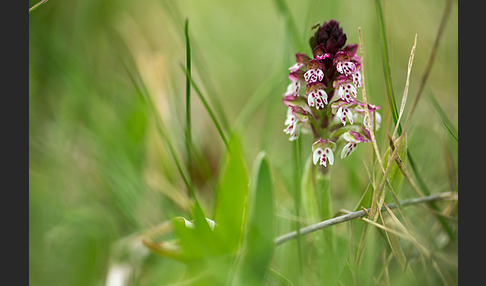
141	90
174	12
206	105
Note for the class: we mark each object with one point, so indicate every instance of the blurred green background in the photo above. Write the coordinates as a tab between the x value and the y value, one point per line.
99	171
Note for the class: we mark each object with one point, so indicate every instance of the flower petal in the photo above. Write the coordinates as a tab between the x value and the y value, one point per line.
356	76
295	67
348	149
313	75
311	99
342	113
316	155
293	89
330	155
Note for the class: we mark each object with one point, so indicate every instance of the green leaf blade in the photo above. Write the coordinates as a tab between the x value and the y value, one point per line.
231	196
259	240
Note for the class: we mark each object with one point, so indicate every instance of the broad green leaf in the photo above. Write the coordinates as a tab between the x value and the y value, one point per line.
259	240
230	198
204	265
196	239
191	247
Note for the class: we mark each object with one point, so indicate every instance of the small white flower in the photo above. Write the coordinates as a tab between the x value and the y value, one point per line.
313	75
356	76
323	156
293	125
346	90
345	67
353	138
344	113
317	98
348	149
295	67
293	89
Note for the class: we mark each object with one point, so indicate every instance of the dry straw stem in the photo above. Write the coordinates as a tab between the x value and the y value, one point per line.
404	234
405	90
378	195
374	208
37	5
358	214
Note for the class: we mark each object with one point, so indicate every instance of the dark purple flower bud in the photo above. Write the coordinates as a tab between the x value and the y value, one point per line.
330	36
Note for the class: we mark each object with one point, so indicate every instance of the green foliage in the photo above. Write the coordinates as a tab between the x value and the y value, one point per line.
261	228
395	175
231	197
107	147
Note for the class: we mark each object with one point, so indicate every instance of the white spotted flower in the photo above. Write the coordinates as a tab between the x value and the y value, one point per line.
295	117
313	75
322	97
317	96
344	113
345	88
293	89
352	138
322	152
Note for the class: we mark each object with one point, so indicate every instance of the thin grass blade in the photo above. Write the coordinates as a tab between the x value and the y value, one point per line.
386	65
445	119
188	99
207	106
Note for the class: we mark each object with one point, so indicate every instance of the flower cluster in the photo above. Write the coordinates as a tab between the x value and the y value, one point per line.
322	96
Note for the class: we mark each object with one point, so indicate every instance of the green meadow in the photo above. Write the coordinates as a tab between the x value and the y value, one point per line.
157	154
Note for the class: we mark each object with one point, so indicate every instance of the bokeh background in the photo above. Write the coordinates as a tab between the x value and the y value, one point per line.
98	170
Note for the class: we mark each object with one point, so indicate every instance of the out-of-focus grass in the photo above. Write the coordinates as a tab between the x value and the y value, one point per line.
99	171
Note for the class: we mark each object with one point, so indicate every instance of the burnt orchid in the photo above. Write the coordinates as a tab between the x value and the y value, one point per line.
322	96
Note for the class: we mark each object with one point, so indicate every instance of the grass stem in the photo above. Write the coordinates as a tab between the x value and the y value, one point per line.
188	99
37	5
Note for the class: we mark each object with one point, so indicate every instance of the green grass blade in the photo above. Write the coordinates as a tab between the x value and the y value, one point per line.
161	129
445	120
188	99
175	14
259	97
386	66
443	221
206	105
260	232
231	197
395	176
290	25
